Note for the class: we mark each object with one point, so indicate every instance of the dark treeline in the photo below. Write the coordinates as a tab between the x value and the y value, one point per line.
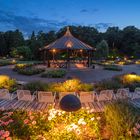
125	42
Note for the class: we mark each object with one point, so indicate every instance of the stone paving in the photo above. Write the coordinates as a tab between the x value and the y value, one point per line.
85	74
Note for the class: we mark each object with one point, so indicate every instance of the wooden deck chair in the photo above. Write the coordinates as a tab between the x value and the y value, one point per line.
62	94
105	95
44	96
123	93
136	93
4	94
86	97
25	95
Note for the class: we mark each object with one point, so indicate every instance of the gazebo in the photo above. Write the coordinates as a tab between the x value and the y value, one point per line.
67	43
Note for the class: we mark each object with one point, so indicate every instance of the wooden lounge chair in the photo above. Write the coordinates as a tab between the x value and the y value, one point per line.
105	95
44	96
136	93
123	93
86	97
25	95
4	94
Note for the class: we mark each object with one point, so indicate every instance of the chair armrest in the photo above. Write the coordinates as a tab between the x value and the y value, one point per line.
13	96
35	92
14	92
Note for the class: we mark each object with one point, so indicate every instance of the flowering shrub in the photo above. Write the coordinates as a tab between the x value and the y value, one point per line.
6	82
121	117
130	78
70	86
5	121
52	124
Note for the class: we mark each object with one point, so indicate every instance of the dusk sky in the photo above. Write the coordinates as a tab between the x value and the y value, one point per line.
29	15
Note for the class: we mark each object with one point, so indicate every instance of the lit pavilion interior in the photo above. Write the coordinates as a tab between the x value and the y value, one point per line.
63	52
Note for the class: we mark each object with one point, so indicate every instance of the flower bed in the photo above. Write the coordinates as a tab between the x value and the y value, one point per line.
130	81
49	125
55	124
7	62
31	71
54	74
27	69
112	67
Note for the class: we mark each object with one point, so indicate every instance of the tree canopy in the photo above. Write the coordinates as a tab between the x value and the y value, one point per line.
125	42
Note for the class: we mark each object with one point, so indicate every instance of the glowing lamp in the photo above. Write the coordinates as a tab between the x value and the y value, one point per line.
69	44
54	50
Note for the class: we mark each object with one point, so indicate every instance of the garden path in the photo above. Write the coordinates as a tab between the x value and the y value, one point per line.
85	74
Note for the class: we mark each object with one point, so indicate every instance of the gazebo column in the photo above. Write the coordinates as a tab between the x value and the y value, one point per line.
44	57
68	58
48	60
89	59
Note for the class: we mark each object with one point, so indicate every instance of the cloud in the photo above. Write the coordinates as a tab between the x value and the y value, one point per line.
84	11
26	24
95	10
102	26
89	11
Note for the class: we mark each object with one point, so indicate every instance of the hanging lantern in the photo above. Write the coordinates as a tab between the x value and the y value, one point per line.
69	44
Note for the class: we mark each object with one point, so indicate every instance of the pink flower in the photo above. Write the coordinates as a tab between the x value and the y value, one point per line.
8	138
138	125
98	118
34	122
136	131
6	134
5	123
26	121
31	117
10	121
1	132
30	113
10	113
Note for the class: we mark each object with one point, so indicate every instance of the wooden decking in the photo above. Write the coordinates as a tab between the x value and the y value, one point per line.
36	106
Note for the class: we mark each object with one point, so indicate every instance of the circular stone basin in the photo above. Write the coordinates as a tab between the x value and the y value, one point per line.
70	103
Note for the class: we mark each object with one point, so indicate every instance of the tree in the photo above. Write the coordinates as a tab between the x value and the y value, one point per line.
131	37
102	50
3	46
23	51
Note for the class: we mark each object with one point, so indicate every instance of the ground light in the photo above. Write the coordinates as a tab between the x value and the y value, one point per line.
70	103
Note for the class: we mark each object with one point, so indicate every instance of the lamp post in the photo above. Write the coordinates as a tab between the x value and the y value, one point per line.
69	45
53	51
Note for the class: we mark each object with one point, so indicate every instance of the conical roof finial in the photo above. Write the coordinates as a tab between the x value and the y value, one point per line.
68	33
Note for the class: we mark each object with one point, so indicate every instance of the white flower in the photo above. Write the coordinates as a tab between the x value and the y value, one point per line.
80	121
98	118
49	118
72	127
78	131
92	119
59	114
92	110
84	123
63	112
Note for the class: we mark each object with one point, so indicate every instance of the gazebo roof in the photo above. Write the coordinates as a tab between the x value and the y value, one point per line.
68	41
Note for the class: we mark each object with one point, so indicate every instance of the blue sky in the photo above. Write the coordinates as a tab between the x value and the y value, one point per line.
28	15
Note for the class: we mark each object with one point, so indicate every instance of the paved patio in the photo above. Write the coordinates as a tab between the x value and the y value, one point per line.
85	74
